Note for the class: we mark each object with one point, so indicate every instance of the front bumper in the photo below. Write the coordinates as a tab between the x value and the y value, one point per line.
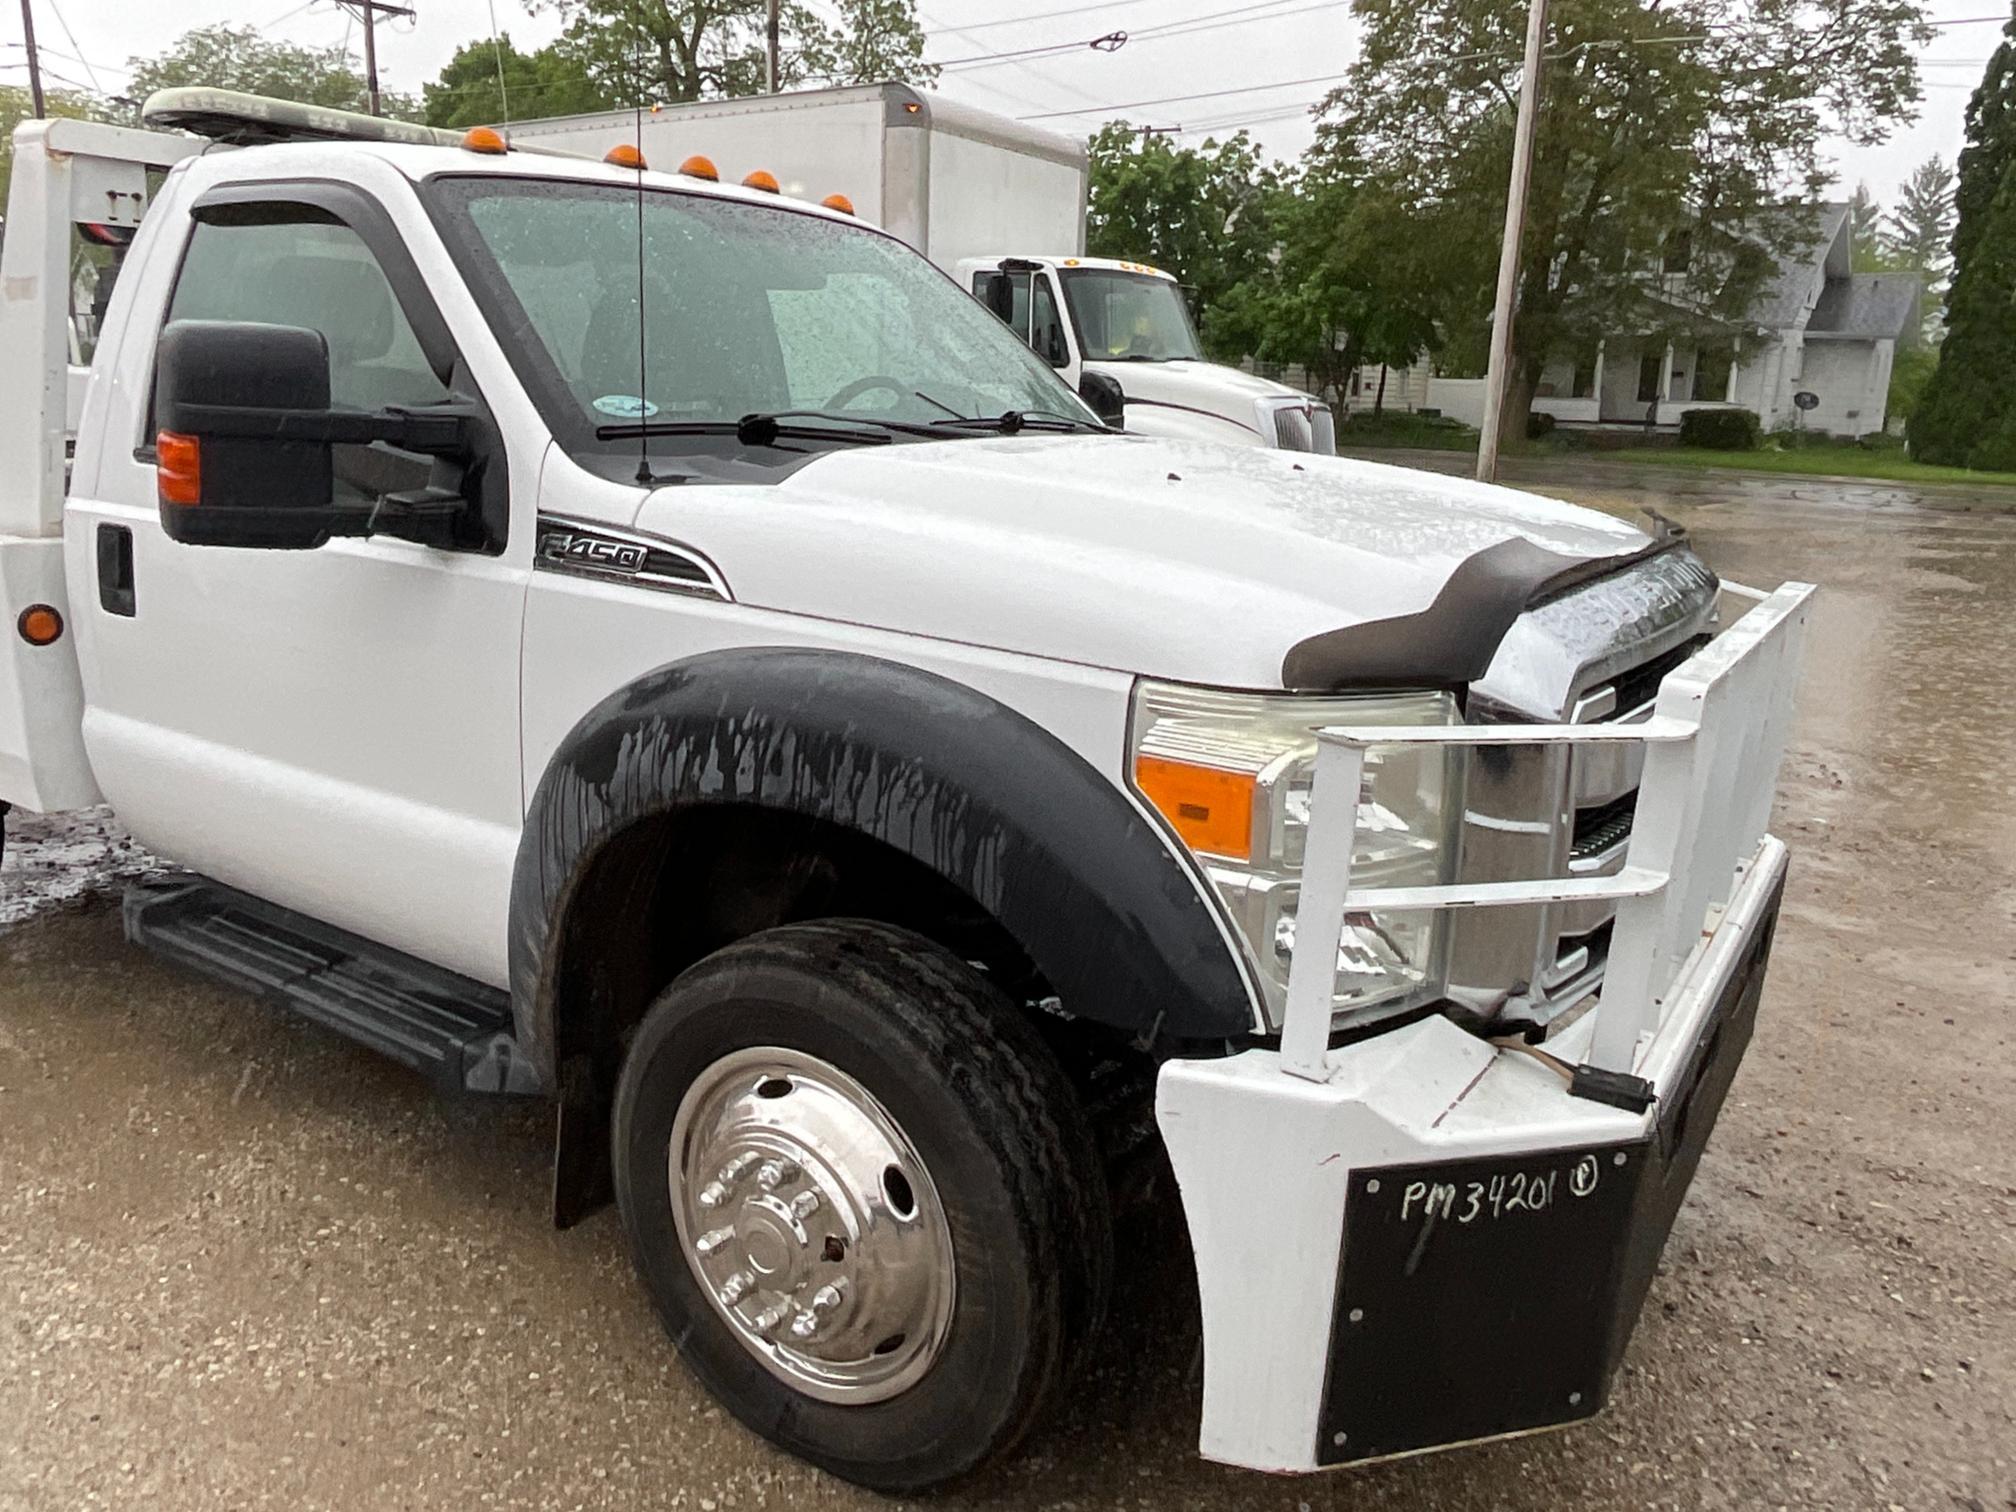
1435	1243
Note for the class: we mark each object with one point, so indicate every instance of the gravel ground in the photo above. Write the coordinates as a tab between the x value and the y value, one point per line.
243	1264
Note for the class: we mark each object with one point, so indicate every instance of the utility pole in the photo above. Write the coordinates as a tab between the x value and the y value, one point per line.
1508	252
369	11
770	21
34	59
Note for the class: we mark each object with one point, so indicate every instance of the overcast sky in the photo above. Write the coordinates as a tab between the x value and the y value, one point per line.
1260	69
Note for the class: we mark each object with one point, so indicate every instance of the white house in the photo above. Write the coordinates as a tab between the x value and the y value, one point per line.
1827	331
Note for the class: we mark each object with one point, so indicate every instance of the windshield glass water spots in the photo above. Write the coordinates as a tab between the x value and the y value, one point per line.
1123	315
747	309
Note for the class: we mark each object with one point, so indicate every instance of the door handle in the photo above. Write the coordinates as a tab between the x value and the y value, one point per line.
115	570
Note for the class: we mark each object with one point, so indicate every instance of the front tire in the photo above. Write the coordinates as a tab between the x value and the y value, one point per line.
861	1193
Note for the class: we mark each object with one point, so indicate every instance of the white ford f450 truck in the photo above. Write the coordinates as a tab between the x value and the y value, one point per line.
1000	205
661	647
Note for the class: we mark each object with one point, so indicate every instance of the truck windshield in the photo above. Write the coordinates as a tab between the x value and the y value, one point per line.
1122	316
747	310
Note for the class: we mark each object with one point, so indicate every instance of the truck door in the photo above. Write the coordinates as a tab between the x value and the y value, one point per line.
334	729
1024	295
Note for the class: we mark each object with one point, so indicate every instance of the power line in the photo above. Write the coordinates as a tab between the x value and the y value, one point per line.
1202	94
1210	21
71	38
1072	10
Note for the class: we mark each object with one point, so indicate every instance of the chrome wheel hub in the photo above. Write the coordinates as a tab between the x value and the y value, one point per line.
809	1221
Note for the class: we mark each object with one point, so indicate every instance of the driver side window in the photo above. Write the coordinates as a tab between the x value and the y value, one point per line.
317	273
1046	325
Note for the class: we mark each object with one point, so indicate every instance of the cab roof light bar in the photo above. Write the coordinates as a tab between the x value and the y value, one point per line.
249	120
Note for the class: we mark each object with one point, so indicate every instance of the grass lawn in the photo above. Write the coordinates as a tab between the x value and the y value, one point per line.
1845	461
1401	428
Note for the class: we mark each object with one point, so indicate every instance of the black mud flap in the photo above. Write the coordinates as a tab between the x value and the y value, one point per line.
1485	1297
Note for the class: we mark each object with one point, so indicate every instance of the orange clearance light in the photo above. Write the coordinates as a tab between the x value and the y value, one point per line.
624	155
178	467
1211	809
39	624
763	179
838	202
911	107
483	139
699	167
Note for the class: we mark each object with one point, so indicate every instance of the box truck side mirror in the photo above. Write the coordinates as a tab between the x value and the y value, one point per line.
1104	397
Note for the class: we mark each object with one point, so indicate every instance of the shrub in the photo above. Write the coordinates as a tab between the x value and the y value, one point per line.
1539	425
1721	429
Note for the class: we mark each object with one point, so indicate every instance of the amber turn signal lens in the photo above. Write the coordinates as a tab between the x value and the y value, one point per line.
764	180
623	155
39	624
1211	810
178	468
483	139
838	202
699	167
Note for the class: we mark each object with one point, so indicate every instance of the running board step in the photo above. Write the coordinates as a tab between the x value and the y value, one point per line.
454	1031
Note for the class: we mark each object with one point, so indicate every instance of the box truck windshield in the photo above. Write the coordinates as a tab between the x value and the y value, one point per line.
1124	317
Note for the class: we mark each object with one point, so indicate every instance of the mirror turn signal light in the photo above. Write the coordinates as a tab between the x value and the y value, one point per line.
39	624
483	139
838	202
178	468
1210	809
763	179
700	167
625	155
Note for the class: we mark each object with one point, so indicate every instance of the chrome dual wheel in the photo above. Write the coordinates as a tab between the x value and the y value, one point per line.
812	1225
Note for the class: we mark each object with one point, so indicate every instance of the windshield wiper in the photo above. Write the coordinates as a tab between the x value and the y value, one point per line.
760	429
1008	422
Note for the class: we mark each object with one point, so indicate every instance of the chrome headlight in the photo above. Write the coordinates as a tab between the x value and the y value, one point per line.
1231	773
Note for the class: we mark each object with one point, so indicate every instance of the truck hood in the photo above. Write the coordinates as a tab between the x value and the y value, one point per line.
1196	385
1188	561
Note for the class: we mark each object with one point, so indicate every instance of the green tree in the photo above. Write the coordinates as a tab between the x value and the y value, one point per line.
645	52
1356	278
1968	412
547	82
1201	213
1667	135
1919	233
238	57
1865	230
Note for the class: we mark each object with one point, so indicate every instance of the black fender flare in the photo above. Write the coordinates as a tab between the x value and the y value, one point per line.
1088	886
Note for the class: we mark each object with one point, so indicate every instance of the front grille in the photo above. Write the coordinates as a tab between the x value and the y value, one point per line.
1598	829
1292	429
1640	685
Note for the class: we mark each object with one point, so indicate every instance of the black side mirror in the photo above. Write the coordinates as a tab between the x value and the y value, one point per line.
1104	397
998	295
245	437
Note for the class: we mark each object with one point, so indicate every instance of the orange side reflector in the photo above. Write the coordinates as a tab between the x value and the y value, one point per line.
39	624
699	167
483	139
838	202
1210	809
178	468
764	180
625	155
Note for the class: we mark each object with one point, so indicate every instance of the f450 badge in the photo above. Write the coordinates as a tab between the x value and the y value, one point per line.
571	548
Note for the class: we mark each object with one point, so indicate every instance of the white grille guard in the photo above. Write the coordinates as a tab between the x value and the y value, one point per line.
1371	1281
1714	743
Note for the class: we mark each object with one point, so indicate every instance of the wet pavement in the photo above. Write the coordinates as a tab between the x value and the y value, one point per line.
243	1264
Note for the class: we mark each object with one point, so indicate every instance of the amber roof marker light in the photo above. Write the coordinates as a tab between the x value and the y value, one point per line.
765	180
838	202
624	155
700	167
40	624
482	139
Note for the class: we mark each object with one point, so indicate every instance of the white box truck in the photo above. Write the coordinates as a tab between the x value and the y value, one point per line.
1000	206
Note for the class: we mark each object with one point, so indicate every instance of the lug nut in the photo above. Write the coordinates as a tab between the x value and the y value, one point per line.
713	1195
713	1239
829	1296
770	1317
775	1173
804	1205
735	1288
805	1325
737	1167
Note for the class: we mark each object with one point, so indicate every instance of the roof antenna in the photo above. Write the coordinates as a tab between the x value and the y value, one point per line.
643	407
497	51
